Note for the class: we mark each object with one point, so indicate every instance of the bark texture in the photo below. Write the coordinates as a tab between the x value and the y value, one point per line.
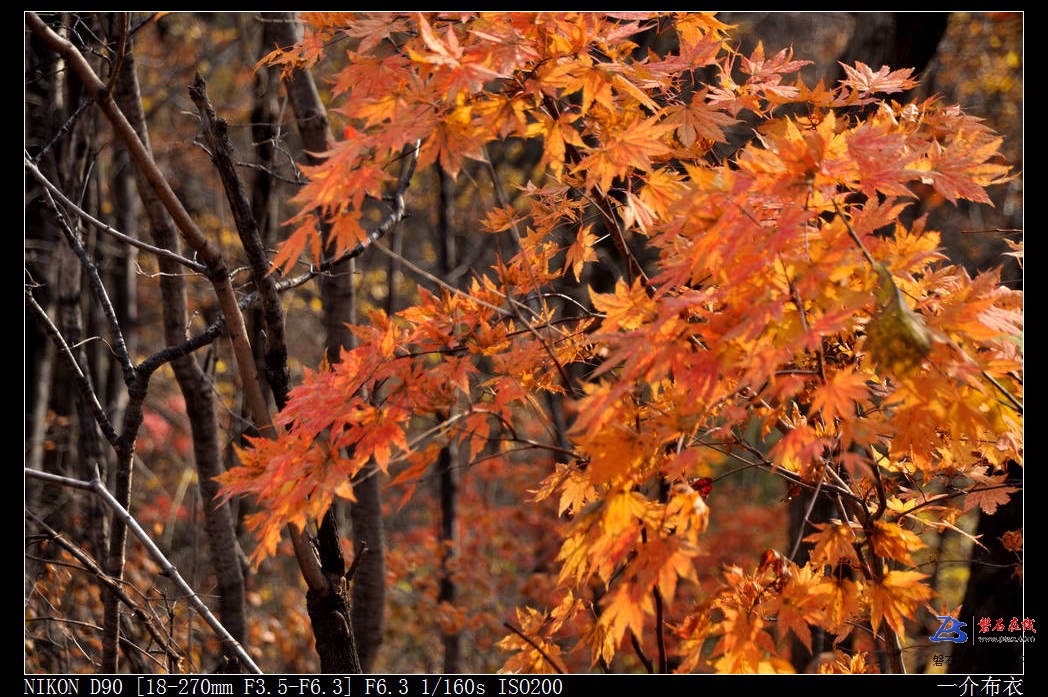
224	548
363	633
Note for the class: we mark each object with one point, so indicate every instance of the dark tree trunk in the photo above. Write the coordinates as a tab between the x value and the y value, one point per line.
265	129
995	591
804	514
123	260
196	389
369	579
44	248
337	641
896	39
447	592
446	462
334	637
330	611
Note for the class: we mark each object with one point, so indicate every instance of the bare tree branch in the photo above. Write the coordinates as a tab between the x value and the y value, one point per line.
170	649
65	128
217	136
83	382
196	388
167	568
166	253
217	271
119	345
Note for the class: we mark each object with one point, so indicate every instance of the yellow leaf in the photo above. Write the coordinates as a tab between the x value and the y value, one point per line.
890	541
837	398
801	603
833	543
895	599
627	308
621	509
581	251
625	612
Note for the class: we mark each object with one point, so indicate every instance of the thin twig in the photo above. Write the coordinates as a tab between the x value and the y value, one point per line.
807	516
791	477
114	586
83	382
882	499
440	282
171	353
144	22
639	650
357	558
660	630
535	646
1015	403
854	235
217	135
993	230
120	346
270	172
62	130
937	498
167	568
166	253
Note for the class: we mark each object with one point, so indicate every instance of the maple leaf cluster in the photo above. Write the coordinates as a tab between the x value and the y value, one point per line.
786	298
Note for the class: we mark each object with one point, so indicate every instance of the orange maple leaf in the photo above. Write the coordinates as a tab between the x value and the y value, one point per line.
802	603
895	598
455	136
839	396
988	494
962	168
625	612
631	147
581	251
461	70
834	542
891	541
628	307
863	79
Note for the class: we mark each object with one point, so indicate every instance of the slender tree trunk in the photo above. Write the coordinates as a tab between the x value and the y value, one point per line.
262	132
995	591
88	443
41	241
369	580
265	129
345	631
52	98
124	261
52	420
446	462
137	378
804	514
74	170
39	382
195	388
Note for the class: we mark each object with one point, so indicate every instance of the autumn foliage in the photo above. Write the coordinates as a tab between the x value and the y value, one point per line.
775	310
